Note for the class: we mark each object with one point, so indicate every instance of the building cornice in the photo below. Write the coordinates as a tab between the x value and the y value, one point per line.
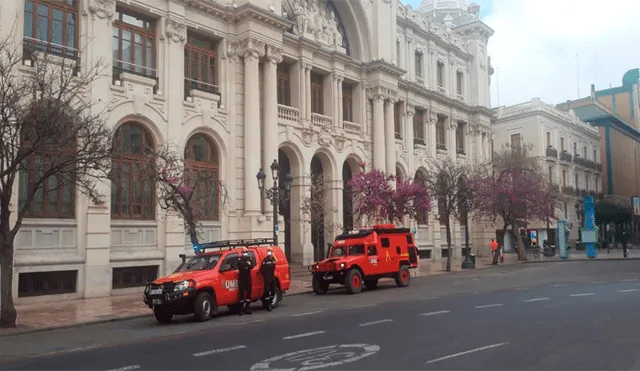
253	12
565	124
425	35
319	49
383	66
209	8
423	91
477	29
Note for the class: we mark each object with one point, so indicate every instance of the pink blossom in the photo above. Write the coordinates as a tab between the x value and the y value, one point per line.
185	190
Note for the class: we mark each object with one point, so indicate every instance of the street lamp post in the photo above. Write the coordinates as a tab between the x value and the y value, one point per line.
468	263
579	206
275	194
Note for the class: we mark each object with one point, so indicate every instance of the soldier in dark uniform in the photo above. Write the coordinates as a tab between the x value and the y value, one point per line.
244	281
267	269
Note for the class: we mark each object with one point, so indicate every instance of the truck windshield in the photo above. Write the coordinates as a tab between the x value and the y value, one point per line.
339	251
199	263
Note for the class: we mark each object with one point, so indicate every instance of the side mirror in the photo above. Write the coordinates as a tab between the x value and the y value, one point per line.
183	257
225	267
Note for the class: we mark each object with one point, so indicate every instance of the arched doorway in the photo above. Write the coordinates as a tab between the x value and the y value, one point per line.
284	208
317	219
347	197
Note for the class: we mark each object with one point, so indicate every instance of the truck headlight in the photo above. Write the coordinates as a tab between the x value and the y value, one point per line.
342	265
182	286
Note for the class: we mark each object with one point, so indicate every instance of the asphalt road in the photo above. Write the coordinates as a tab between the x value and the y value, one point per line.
570	316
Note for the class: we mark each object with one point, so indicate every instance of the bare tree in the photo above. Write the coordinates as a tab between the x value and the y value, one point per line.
314	211
194	192
445	182
55	143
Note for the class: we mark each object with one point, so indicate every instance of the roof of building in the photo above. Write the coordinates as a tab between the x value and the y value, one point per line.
589	110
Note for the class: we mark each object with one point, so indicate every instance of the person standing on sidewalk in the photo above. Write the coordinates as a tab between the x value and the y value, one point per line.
268	269
245	264
494	251
623	236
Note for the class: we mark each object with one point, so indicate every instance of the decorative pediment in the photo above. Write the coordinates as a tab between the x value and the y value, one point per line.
317	20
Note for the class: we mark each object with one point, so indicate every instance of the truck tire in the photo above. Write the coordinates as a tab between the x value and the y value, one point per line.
319	287
277	297
204	307
371	284
404	276
353	281
163	315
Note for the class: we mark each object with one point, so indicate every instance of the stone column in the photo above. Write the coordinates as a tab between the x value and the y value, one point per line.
270	129
378	96
408	134
389	136
453	125
410	61
307	91
252	50
97	226
432	120
340	114
302	88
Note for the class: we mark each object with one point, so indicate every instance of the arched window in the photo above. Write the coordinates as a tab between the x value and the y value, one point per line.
132	195
201	171
420	178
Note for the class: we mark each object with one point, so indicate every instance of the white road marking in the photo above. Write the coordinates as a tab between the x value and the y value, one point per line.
375	322
434	313
522	288
362	306
560	285
599	282
307	313
535	299
629	280
629	290
216	351
488	306
303	335
126	368
320	358
466	352
584	294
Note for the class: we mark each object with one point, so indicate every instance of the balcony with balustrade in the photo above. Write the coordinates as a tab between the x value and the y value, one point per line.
352	127
321	122
552	153
565	156
567	190
288	115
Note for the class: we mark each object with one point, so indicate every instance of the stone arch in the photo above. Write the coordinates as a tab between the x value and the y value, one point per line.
328	162
322	164
357	28
290	160
354	162
154	130
400	172
218	141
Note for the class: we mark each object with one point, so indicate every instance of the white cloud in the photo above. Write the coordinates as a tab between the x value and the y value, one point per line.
535	45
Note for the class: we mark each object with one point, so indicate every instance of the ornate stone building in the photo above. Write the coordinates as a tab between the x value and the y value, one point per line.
320	85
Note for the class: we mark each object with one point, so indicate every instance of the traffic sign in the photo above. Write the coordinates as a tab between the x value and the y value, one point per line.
276	228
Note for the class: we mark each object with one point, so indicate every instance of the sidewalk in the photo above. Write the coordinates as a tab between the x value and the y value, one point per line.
580	255
71	313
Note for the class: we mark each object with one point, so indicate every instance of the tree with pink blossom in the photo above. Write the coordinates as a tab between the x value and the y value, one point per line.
181	189
376	199
514	189
445	180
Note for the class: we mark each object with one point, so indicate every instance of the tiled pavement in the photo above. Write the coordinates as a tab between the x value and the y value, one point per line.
37	317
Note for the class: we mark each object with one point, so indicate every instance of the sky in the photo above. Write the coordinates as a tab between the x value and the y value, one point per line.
555	49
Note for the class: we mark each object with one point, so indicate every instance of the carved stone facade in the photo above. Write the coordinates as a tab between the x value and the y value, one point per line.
320	85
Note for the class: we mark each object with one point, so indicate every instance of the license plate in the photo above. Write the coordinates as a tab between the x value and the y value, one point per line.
329	277
155	292
157	301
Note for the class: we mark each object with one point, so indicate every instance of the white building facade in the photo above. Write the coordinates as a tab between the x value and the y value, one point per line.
319	85
569	147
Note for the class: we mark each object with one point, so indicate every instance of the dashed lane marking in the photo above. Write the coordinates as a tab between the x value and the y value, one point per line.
307	313
599	282
362	306
216	351
535	299
435	313
630	280
488	306
126	368
629	290
375	322
583	294
522	288
466	352
560	285
303	335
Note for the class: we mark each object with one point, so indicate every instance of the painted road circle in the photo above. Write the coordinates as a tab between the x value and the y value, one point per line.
312	359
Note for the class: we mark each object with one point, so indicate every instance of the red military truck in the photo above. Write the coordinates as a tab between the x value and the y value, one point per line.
361	257
209	279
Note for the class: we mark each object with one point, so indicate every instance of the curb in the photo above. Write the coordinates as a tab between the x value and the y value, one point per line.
137	316
577	260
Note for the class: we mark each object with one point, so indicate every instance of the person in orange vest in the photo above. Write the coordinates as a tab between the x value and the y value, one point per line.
494	251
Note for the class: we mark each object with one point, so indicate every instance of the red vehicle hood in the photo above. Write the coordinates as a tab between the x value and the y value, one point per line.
182	276
342	259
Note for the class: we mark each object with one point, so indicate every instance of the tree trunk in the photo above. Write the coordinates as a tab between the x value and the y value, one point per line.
519	243
8	314
448	228
504	233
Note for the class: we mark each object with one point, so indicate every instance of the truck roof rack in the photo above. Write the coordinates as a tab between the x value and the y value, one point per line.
230	244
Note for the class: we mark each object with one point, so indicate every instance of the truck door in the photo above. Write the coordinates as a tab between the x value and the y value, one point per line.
257	281
227	291
387	259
